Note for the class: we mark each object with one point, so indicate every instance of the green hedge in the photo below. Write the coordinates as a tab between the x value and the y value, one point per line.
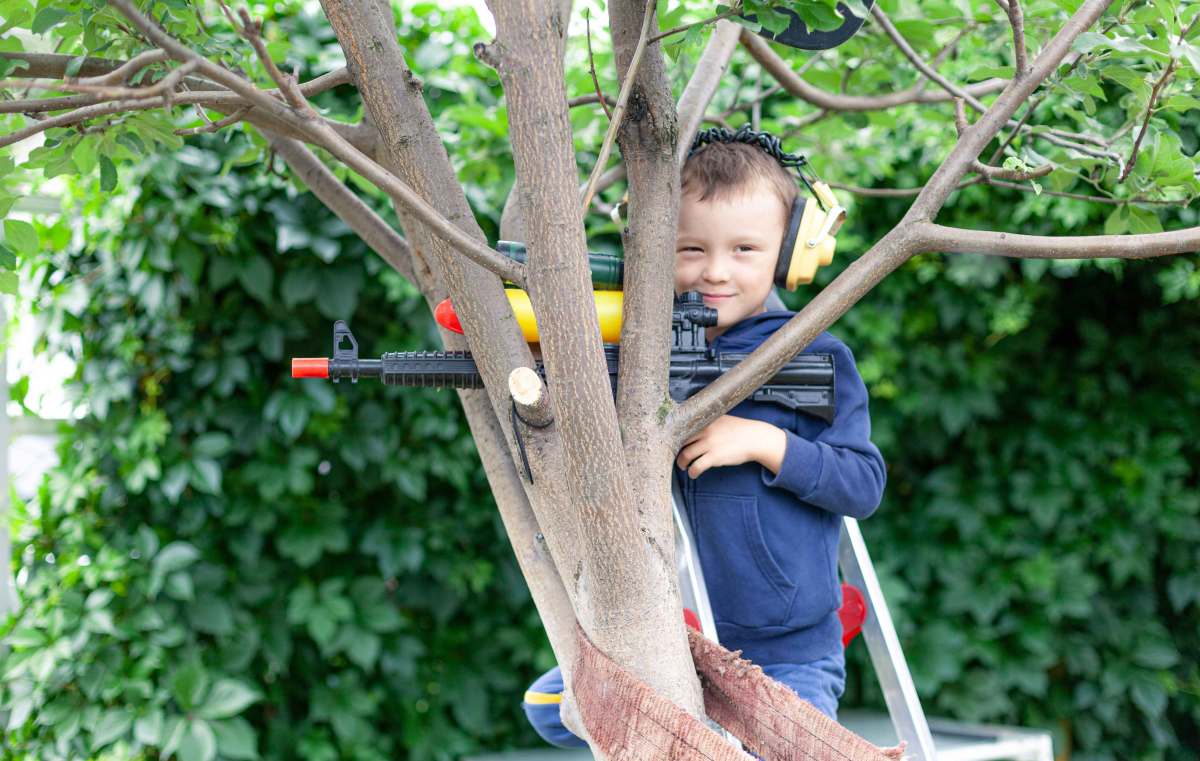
228	562
229	559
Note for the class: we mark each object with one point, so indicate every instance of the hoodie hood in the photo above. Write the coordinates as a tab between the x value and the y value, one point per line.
746	335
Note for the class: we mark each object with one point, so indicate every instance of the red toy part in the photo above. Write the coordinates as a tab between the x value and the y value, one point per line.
310	367
445	316
852	613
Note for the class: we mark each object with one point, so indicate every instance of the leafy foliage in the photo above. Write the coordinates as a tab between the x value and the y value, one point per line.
229	564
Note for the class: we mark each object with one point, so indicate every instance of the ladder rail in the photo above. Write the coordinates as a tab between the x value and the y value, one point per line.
887	657
691	575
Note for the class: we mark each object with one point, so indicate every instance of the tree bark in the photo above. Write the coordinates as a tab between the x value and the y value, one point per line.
411	147
622	582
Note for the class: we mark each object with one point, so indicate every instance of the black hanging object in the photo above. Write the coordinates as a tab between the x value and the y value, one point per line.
798	35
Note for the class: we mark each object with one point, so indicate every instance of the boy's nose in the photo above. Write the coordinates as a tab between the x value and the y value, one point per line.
716	270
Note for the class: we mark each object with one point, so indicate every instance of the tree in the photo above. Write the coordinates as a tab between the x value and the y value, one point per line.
598	495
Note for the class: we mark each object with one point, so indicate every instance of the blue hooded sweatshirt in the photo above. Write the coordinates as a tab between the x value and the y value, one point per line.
768	542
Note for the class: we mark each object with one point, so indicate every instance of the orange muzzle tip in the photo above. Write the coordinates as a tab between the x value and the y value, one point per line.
310	367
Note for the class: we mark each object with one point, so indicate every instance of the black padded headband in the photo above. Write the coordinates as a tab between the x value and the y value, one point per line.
765	141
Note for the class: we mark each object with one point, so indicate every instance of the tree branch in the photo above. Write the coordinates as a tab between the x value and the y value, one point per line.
343	202
1017	20
702	22
362	136
212	126
619	111
584	100
628	608
251	29
1158	87
648	149
320	133
161	88
587	17
933	237
699	91
884	257
782	72
123	73
54	65
1057	137
696	96
1018	91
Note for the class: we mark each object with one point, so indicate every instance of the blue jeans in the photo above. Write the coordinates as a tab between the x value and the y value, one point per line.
820	682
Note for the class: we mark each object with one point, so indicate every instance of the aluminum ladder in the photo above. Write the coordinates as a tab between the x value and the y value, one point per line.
925	739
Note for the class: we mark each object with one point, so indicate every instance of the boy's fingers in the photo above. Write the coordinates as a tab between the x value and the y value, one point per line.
701	464
689	453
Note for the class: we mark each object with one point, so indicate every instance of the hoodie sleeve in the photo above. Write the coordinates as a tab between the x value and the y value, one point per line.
841	470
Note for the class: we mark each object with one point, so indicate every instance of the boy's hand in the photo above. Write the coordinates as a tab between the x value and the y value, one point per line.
731	440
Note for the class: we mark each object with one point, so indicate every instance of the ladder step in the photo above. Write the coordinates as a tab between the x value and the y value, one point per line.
958	740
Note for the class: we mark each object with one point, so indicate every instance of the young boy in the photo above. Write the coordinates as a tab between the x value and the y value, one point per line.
764	487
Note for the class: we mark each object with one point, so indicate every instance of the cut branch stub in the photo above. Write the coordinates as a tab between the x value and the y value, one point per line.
529	394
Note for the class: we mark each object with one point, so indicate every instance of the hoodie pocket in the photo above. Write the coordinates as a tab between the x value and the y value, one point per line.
746	585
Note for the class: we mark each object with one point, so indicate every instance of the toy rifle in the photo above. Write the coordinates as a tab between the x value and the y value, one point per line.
804	384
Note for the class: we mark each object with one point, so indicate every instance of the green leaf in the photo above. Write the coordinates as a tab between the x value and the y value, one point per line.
206	475
235	739
1164	161
227	698
1156	654
148	729
198	743
74	65
1143	221
84	155
299	285
47	18
1190	53
1181	103
172	734
1150	697
257	276
189	684
21	236
8	283
211	445
134	143
175	481
360	646
175	556
1088	41
108	174
111	726
1118	221
179	586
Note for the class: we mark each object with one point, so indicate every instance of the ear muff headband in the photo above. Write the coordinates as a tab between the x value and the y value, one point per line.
808	241
791	238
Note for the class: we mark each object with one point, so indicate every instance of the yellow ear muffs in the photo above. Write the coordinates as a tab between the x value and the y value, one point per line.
810	239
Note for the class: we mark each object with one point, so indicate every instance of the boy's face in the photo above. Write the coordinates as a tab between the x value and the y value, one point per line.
727	249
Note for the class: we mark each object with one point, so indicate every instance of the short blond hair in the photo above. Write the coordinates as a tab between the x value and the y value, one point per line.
720	170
